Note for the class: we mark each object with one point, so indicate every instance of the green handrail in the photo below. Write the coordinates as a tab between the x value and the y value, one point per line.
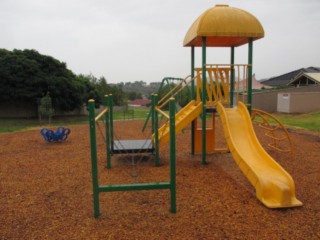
166	79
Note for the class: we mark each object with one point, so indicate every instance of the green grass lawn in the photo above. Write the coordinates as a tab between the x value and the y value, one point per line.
310	121
12	125
131	113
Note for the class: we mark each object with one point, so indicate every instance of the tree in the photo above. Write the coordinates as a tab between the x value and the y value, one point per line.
87	86
26	75
45	107
119	97
132	95
102	87
94	88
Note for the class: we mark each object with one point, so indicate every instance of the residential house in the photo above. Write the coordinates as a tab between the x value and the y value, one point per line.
286	78
301	95
305	79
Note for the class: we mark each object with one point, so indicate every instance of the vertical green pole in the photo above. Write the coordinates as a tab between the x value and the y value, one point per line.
192	97
152	113
192	73
232	77
172	155
249	94
107	119
94	165
156	127
111	118
204	96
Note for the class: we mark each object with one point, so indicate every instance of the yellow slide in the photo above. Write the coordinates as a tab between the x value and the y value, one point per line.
182	119
274	186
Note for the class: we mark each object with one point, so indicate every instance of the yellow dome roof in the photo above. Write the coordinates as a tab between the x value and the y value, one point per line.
224	26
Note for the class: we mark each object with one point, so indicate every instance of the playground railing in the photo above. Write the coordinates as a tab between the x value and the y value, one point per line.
172	93
217	84
102	113
175	91
162	112
226	83
222	82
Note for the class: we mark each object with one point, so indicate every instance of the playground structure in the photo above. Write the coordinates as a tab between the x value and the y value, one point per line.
127	146
60	135
223	89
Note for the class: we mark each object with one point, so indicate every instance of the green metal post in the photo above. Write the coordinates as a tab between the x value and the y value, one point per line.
168	84
192	97
152	110
107	119
232	77
192	73
111	118
204	96
172	155
156	128
94	165
249	94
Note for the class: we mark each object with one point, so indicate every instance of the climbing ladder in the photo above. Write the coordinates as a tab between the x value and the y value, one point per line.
275	131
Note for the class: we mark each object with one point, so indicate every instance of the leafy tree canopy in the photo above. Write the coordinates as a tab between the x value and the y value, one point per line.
26	75
97	88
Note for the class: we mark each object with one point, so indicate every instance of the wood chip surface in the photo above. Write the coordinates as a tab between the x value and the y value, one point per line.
46	191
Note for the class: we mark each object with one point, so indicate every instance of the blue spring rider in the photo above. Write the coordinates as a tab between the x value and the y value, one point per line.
60	135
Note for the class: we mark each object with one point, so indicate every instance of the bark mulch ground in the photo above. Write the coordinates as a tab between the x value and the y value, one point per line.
46	192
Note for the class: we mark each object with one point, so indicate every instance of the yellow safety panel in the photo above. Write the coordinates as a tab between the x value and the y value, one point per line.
217	85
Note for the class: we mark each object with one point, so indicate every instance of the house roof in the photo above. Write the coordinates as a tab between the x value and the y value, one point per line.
284	79
224	26
139	102
255	83
303	76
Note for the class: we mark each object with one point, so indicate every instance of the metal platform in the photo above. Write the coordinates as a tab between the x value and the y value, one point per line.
132	146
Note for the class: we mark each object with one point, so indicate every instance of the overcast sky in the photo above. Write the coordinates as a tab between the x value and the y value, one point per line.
137	40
